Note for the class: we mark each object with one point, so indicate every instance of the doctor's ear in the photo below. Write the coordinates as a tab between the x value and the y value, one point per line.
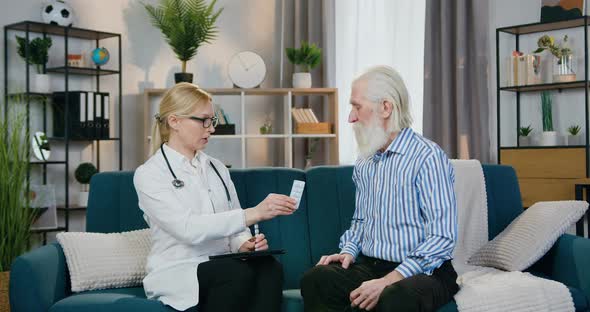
173	122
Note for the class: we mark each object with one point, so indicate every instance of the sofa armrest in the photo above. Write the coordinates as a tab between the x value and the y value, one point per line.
38	279
568	262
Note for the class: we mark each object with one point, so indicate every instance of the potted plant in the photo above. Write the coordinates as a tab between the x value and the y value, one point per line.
524	137
549	136
15	217
186	25
306	57
38	56
563	67
266	128
574	137
83	174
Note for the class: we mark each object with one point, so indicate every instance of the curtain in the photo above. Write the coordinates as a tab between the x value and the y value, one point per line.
360	34
304	20
456	79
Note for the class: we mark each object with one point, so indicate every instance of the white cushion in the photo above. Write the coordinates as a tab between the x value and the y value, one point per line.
102	261
529	236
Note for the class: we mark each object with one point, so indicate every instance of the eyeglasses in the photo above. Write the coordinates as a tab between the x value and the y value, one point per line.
207	122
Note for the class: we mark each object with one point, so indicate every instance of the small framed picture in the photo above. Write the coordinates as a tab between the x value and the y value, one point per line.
75	60
559	10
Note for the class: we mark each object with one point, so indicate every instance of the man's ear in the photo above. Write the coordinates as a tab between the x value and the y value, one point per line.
386	108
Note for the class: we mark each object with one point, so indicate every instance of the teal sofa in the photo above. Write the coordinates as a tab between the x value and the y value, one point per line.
39	280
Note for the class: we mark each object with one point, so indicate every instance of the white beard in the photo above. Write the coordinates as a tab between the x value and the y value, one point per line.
370	138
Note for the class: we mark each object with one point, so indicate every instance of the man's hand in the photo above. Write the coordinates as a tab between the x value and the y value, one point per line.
257	243
344	258
367	295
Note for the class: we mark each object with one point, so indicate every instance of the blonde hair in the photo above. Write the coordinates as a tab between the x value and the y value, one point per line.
386	84
182	99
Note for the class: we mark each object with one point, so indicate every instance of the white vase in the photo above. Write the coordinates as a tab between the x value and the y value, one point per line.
548	138
524	141
574	140
563	69
40	83
83	199
301	80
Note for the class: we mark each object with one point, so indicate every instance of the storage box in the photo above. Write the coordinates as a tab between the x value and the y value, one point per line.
313	128
225	129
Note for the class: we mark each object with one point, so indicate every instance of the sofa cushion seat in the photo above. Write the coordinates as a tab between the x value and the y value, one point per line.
110	300
292	301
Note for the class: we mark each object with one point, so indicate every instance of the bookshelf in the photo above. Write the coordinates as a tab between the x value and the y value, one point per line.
283	139
48	102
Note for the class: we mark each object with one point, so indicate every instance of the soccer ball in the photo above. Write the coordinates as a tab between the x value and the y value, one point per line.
57	12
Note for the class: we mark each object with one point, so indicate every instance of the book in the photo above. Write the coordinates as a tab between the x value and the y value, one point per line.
308	116
313	116
299	116
295	115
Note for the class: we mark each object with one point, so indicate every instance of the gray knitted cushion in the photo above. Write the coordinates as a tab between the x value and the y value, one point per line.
529	236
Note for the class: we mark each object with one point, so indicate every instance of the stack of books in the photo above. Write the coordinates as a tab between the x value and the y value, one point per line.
304	115
306	122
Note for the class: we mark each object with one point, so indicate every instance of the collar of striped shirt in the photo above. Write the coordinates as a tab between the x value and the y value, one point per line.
399	145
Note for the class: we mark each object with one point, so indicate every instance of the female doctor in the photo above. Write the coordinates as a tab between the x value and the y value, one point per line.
192	209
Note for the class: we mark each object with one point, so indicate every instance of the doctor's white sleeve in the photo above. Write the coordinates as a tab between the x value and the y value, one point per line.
163	208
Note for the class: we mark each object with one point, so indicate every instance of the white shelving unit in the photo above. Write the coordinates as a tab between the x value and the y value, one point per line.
330	112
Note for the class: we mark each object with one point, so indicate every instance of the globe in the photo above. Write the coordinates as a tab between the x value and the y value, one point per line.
100	56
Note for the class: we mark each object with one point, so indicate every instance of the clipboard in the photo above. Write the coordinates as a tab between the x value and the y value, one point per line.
249	254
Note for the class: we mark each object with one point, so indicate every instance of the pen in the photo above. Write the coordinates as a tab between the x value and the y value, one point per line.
256	232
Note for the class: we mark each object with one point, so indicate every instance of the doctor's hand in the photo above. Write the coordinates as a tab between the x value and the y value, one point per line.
344	258
257	243
273	205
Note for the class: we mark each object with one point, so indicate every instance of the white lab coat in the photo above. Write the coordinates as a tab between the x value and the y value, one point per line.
187	225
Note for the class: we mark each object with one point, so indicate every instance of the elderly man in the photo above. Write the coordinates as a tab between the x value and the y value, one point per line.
396	255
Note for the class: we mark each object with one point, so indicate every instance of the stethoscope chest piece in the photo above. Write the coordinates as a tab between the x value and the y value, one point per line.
177	183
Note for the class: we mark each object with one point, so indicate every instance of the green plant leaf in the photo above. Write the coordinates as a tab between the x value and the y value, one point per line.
84	172
185	24
307	56
38	51
574	130
15	216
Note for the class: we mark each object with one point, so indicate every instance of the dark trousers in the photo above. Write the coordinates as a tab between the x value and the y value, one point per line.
328	287
238	285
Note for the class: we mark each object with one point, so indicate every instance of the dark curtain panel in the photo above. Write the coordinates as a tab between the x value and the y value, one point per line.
456	69
304	21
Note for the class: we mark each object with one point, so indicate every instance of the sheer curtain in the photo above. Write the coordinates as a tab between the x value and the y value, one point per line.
360	34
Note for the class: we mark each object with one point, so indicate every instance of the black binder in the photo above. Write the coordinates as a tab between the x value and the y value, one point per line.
88	115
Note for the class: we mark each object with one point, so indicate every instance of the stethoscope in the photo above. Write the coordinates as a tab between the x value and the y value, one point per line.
178	184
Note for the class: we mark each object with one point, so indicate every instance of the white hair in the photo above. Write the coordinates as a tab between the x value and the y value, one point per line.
385	84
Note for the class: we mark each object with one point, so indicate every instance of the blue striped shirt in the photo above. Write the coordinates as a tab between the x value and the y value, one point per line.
406	209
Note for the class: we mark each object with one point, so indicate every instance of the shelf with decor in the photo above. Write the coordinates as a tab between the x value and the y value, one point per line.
546	87
71	208
81	71
546	167
64	107
282	138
